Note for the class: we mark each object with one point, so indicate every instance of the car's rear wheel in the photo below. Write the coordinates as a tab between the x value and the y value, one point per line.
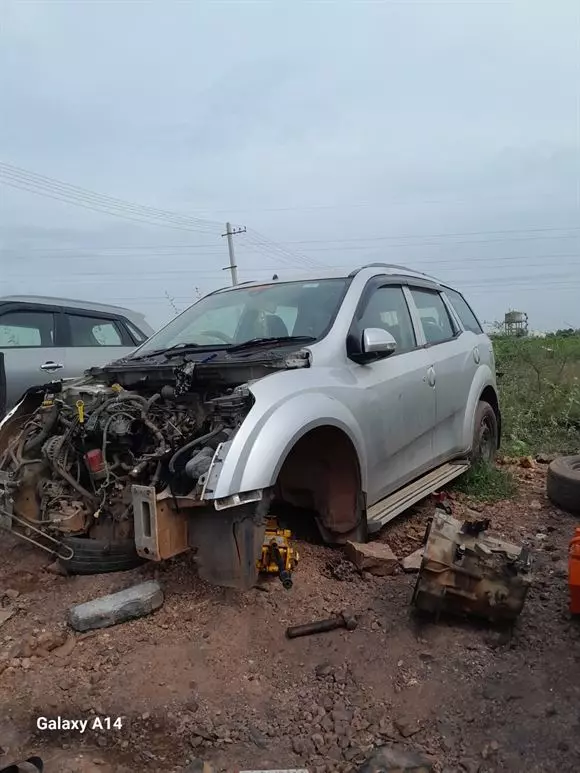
485	434
96	556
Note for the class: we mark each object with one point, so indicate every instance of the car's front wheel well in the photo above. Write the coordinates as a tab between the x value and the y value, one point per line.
322	474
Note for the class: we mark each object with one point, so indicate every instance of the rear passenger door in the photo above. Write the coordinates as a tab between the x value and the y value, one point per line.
92	340
28	337
451	369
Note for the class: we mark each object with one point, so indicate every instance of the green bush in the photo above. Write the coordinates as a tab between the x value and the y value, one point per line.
539	385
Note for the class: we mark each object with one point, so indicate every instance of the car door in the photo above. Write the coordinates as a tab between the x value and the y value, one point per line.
93	339
451	367
28	342
395	404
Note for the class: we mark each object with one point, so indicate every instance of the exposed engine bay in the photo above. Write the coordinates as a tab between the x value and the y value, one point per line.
72	466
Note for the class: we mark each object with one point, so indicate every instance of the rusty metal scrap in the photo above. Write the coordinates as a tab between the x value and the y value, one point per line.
466	571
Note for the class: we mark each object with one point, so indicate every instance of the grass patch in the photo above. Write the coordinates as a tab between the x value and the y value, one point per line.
539	392
487	483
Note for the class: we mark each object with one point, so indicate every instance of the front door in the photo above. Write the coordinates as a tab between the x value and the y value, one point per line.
396	402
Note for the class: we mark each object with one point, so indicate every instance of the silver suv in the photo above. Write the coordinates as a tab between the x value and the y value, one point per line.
348	397
43	338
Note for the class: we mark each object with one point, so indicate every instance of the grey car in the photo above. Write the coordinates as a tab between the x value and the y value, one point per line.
43	338
348	398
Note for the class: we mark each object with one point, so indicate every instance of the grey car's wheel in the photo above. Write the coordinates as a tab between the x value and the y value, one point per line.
485	434
563	483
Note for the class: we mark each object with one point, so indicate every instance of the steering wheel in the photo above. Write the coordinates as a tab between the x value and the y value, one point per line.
216	334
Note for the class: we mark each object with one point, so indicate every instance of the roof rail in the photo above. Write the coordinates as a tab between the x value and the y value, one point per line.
404	269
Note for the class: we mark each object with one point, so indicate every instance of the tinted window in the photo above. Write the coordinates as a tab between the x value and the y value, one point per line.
435	319
26	328
467	317
93	331
387	309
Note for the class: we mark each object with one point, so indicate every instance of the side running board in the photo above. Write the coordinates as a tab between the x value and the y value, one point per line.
389	507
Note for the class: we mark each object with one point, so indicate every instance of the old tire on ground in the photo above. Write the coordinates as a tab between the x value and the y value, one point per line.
563	483
485	434
94	556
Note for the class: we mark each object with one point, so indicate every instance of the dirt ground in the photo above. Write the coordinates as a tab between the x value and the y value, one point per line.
211	675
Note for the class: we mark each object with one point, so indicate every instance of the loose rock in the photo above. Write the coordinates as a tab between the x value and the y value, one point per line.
390	760
374	557
412	563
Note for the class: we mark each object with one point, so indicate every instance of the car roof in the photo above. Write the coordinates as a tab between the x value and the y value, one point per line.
369	270
134	316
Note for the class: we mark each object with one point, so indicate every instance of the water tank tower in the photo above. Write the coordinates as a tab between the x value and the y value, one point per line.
516	323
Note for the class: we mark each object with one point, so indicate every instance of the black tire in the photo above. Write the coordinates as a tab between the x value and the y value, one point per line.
95	556
563	483
485	434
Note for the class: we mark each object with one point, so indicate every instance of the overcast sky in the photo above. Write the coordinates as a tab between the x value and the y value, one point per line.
441	135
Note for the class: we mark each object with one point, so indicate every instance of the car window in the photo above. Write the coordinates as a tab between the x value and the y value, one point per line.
93	331
213	325
138	336
387	309
273	310
463	311
26	328
435	320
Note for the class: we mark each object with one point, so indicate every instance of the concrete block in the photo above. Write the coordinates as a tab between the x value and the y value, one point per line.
138	601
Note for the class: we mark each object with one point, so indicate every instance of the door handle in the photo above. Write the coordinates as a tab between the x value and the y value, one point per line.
50	366
431	378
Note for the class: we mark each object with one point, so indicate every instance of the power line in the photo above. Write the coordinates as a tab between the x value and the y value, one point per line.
17	176
167	271
23	179
446	234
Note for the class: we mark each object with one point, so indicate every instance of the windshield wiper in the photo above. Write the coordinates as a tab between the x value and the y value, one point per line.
269	341
176	349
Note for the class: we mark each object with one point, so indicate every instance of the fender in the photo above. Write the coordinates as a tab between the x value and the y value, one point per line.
483	378
251	461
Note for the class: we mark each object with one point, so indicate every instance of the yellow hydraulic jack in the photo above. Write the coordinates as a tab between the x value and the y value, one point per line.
278	556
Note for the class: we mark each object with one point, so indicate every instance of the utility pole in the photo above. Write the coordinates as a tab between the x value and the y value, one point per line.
232	267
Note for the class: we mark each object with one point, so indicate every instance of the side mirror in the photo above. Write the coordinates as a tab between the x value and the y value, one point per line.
375	340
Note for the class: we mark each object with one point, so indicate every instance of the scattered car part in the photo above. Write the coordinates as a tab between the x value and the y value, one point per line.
278	556
574	573
563	483
138	601
344	620
466	571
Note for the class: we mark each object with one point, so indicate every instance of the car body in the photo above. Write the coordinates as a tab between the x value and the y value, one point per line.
44	337
330	394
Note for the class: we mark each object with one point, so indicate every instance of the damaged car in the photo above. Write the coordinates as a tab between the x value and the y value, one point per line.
347	397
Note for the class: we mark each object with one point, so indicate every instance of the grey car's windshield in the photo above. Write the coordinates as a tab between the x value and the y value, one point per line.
278	310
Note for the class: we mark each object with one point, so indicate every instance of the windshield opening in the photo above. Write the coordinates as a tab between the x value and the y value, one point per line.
280	310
